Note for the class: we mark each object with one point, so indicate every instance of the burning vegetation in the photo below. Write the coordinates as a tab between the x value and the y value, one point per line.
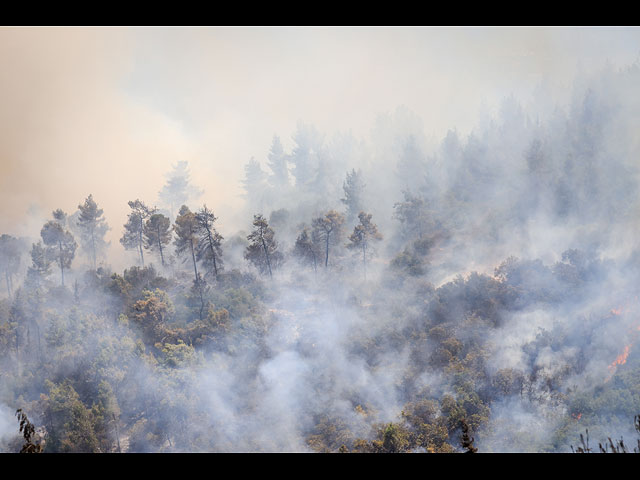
385	294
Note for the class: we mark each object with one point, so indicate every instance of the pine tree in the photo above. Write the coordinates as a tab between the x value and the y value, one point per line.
353	187
305	155
329	229
308	247
254	183
157	233
40	264
414	215
361	238
60	242
209	250
412	167
277	163
60	217
132	239
93	228
199	289
178	189
263	248
186	241
10	254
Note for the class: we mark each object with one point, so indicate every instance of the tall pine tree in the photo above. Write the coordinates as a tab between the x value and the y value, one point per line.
263	248
329	229
178	190
363	234
132	239
157	234
92	227
209	250
353	188
308	247
10	254
59	241
277	163
186	241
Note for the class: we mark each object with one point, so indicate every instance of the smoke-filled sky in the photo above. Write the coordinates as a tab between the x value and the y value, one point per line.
107	111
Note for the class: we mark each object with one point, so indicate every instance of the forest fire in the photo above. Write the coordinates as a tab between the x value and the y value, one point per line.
633	332
385	272
622	358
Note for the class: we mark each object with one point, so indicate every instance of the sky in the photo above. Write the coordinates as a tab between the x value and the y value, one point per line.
108	111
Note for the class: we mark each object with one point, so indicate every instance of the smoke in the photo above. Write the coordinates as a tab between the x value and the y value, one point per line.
503	180
8	424
108	111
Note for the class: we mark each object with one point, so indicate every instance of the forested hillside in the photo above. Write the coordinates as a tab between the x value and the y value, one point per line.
385	294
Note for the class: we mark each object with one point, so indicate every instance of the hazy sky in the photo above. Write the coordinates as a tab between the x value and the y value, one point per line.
107	111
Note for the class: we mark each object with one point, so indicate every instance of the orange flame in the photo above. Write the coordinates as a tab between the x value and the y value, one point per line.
577	417
622	358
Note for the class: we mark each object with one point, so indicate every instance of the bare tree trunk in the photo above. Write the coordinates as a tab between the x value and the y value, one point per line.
160	246
213	251
266	253
193	257
140	245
